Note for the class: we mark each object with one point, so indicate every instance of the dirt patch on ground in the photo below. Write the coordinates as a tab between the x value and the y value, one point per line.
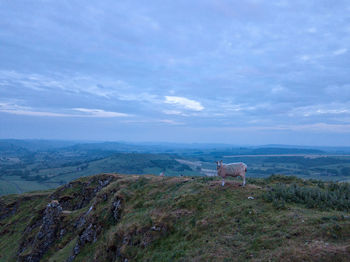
181	212
232	184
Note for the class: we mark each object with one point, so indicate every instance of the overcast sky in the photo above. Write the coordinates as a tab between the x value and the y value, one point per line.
240	72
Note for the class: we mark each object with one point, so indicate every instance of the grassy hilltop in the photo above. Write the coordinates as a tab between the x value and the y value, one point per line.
113	217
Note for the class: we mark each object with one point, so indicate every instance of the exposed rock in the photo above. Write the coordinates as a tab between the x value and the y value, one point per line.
27	238
89	235
90	209
102	184
62	232
81	222
91	232
81	198
7	210
47	234
156	228
105	197
116	208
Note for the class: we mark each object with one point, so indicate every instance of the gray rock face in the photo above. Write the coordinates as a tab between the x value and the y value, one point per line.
102	184
80	222
50	221
89	235
7	210
116	208
47	234
91	232
82	198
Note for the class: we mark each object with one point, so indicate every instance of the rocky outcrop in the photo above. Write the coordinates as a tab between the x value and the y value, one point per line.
90	232
116	208
88	190
52	227
47	235
7	210
89	235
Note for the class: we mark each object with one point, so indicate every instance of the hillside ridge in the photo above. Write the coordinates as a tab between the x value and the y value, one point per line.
113	217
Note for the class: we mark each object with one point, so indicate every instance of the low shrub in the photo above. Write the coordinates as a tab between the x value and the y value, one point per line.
322	196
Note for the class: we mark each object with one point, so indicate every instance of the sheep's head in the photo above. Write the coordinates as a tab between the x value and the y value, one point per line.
218	164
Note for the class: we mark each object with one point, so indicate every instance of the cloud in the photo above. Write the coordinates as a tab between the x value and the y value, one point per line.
311	57
184	102
102	87
154	121
209	63
278	89
315	127
340	51
100	113
170	121
305	58
15	109
311	30
230	107
174	112
325	109
32	113
338	92
70	84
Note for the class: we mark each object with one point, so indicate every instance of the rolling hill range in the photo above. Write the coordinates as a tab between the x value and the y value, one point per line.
112	217
53	172
27	165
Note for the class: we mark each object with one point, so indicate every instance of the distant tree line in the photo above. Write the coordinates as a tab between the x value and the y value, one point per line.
308	162
345	171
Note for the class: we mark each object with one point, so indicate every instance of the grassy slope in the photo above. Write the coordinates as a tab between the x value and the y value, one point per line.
14	184
185	219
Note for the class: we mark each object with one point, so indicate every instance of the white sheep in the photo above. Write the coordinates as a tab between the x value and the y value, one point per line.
233	169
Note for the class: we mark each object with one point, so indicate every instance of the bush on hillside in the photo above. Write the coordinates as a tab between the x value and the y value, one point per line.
330	196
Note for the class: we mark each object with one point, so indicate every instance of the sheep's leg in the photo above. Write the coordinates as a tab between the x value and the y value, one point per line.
243	181
223	182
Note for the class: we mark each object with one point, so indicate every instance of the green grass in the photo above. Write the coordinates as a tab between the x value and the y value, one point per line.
64	253
7	187
14	185
188	219
13	227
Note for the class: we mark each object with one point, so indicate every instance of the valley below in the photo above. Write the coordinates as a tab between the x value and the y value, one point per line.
29	165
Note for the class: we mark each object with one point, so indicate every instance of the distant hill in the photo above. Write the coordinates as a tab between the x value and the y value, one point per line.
38	171
276	151
113	217
27	165
42	145
35	144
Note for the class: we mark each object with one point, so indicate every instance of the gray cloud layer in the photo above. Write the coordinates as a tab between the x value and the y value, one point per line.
170	67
